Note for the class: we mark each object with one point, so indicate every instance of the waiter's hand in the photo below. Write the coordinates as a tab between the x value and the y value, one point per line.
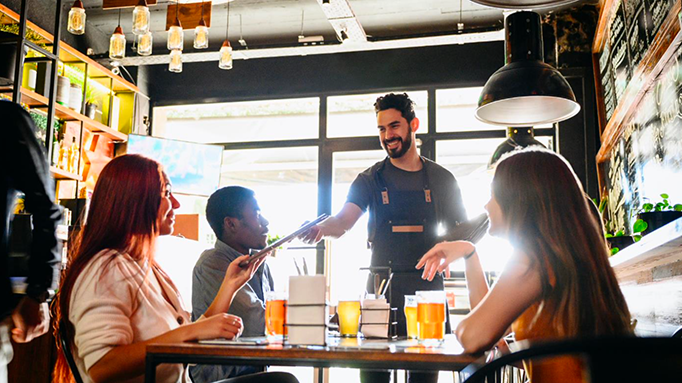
31	320
312	235
439	258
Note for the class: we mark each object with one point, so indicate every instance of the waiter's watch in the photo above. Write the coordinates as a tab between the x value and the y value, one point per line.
40	295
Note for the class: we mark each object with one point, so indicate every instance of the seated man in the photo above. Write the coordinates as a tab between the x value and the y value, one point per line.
234	216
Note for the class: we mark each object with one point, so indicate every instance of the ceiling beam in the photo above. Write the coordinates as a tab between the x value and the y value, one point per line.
243	54
114	4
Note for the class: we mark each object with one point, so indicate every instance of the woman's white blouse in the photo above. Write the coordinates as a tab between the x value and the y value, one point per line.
116	302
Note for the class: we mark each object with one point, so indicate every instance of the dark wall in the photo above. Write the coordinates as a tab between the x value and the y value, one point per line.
441	66
42	13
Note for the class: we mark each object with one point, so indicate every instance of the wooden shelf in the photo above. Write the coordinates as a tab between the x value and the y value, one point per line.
661	247
36	100
61	175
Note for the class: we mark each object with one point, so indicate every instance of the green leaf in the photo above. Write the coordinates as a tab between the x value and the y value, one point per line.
608	235
664	196
678	207
639	226
614	250
619	233
647	207
637	237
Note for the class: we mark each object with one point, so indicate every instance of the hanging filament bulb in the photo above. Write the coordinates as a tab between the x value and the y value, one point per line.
175	36
225	61
141	18
76	24
175	64
144	44
201	32
117	43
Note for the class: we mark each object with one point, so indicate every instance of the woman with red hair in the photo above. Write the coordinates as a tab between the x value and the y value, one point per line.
115	299
558	283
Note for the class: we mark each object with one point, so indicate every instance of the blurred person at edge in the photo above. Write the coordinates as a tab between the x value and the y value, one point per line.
408	198
558	283
25	169
115	299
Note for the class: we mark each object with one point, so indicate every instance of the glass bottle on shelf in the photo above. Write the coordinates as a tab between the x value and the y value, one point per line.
62	161
56	146
73	157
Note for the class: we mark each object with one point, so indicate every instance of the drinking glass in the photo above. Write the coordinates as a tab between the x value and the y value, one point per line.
349	317
411	316
275	313
431	314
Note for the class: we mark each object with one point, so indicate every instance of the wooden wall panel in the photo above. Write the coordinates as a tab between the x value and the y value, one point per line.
113	4
189	14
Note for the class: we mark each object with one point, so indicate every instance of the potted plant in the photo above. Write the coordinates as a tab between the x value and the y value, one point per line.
653	216
618	241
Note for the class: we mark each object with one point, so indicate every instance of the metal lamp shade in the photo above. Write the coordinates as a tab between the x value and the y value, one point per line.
526	93
76	23
524	4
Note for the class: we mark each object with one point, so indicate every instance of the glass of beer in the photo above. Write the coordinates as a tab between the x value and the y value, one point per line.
431	315
275	314
411	316
349	317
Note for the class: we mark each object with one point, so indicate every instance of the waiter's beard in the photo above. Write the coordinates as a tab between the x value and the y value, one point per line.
405	145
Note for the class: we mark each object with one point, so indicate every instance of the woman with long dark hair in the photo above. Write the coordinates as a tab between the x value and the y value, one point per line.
114	298
558	283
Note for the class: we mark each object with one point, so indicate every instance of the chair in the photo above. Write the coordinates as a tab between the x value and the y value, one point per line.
613	359
67	353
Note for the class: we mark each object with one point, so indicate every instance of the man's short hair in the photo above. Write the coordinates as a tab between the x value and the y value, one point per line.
399	102
226	202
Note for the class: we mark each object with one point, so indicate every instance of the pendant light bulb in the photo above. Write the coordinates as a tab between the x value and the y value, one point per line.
175	36
144	44
175	64
117	44
76	24
141	18
225	56
201	35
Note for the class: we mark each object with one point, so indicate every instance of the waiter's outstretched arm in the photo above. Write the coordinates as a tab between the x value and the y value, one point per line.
334	227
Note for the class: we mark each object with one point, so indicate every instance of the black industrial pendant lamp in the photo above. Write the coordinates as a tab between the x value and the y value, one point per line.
525	91
519	137
524	4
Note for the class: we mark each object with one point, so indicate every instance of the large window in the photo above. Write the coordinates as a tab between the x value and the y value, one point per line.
354	116
248	121
285	182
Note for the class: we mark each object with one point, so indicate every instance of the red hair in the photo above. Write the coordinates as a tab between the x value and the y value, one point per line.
122	216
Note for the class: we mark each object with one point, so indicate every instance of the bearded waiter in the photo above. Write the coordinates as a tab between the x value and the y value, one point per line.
408	197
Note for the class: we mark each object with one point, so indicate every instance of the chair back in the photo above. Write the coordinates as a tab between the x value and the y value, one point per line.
67	353
622	359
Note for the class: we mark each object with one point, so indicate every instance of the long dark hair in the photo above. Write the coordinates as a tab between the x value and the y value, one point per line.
123	217
549	219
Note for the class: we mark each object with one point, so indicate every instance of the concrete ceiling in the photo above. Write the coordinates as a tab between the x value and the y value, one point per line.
277	23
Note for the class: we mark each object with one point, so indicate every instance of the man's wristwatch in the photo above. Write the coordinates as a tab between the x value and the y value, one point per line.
40	295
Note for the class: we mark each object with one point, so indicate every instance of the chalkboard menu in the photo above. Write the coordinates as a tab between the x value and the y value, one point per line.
647	159
631	28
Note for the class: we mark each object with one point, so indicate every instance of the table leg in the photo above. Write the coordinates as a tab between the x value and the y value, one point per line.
150	369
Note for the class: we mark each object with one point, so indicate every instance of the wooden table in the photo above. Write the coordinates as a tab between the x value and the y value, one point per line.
351	353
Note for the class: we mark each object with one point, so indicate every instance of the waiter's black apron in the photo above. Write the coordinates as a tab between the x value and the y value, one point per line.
406	227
